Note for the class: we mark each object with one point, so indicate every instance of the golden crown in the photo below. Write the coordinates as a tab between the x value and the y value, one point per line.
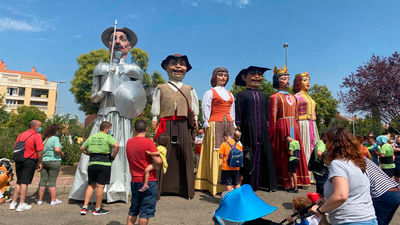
283	70
305	74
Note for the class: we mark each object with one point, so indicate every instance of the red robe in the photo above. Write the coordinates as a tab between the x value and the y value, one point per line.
282	122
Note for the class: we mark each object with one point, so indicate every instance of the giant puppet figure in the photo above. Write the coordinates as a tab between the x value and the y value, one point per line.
171	106
282	122
118	88
218	110
306	113
251	107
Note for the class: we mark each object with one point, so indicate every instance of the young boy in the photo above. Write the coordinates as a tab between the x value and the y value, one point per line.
386	158
229	175
143	204
99	148
293	152
299	205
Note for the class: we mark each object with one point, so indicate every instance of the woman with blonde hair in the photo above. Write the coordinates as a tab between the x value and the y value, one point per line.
347	189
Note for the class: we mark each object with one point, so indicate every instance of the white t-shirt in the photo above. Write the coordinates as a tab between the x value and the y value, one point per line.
358	206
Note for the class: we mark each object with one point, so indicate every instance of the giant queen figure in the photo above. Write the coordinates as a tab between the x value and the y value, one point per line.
117	86
282	122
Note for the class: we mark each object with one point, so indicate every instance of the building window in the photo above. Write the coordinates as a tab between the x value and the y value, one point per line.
11	102
12	91
40	93
37	103
21	91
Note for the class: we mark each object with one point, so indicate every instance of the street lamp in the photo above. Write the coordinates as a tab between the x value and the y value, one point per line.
285	46
59	92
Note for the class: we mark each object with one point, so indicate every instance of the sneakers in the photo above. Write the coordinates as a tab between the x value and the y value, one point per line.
56	202
292	190
40	202
13	205
83	211
23	207
144	188
101	211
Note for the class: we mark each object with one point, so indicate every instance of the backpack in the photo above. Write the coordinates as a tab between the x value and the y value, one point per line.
19	150
315	165
235	157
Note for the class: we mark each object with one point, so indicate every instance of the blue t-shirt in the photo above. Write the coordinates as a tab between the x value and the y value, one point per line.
49	145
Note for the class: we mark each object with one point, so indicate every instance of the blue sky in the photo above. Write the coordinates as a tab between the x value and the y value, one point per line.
328	39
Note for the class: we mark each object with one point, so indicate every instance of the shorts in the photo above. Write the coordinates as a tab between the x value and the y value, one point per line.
25	170
49	173
230	177
99	174
389	172
143	203
293	165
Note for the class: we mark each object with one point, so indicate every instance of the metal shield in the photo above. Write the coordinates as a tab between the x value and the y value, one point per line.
130	99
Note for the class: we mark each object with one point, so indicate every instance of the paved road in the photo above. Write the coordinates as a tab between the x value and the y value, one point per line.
170	209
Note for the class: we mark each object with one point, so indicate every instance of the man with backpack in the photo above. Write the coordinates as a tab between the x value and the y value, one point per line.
28	151
231	154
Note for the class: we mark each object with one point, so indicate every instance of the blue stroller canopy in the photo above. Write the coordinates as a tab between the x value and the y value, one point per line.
241	205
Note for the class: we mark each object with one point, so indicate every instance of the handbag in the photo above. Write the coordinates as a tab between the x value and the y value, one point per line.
190	115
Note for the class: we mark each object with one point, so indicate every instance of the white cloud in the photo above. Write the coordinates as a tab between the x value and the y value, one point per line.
133	16
22	25
77	36
45	39
239	3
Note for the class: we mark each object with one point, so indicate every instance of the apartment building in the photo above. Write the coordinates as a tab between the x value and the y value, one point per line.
27	88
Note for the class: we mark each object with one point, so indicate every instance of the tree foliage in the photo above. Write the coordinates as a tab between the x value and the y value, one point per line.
19	121
81	84
326	105
374	89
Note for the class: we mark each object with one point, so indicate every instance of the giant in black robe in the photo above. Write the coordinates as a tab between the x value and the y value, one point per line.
251	107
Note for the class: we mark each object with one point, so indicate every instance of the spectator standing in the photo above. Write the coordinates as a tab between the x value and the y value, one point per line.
293	153
364	149
397	160
229	175
26	169
143	204
321	172
198	142
99	147
386	158
347	190
384	192
52	154
373	148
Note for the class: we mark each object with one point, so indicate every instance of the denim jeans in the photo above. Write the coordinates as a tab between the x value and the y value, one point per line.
385	206
368	222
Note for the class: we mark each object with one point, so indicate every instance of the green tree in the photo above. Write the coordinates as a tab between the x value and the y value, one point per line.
81	84
4	115
19	121
326	108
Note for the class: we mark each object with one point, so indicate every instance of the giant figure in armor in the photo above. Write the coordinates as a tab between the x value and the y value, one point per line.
117	86
171	106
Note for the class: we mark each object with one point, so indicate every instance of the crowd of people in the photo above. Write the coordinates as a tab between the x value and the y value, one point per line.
274	142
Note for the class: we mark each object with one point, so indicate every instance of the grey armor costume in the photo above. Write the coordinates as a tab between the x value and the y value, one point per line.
122	97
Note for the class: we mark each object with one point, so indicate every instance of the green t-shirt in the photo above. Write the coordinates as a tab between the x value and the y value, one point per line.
100	143
387	150
49	145
319	146
293	146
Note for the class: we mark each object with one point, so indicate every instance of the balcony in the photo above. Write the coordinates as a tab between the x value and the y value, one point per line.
28	82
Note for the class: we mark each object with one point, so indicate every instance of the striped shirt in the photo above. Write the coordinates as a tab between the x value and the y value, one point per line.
379	181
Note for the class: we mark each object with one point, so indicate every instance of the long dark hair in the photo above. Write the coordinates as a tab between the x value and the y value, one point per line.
51	130
341	144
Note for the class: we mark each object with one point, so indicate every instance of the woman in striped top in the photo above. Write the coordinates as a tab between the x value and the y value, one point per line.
384	192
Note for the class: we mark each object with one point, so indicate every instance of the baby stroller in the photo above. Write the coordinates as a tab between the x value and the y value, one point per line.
6	176
241	205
